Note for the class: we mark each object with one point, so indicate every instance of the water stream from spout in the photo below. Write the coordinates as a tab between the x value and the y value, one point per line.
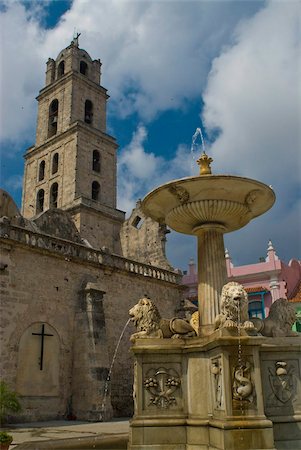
194	149
240	361
108	379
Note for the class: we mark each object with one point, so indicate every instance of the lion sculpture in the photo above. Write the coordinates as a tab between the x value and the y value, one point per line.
279	323
149	324
234	308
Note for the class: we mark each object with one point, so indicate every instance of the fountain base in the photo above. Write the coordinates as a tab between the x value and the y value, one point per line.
196	393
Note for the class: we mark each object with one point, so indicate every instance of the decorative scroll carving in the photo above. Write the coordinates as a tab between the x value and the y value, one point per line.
161	384
218	388
181	193
251	198
234	308
242	383
282	382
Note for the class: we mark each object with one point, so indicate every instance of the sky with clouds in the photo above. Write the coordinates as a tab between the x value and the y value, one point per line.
230	67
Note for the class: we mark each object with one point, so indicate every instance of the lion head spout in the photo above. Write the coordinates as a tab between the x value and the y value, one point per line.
234	307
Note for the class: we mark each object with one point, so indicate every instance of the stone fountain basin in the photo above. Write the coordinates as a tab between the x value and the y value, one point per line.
189	204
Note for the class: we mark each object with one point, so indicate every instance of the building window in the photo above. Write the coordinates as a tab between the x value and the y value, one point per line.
53	195
55	163
61	69
53	116
96	161
255	309
40	201
95	190
83	68
88	111
42	170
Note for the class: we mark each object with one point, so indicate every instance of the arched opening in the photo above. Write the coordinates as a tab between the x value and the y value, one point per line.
53	117
40	201
95	190
96	161
55	163
83	68
88	111
54	195
42	170
61	69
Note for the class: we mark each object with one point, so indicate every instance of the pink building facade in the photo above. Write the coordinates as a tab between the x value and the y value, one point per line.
265	281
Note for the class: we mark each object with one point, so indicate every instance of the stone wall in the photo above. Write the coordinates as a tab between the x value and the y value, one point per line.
143	239
46	280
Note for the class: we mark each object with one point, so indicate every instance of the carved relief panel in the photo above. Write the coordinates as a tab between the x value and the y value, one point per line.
162	388
243	384
217	383
282	386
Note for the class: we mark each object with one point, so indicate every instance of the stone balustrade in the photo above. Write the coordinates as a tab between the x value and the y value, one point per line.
72	251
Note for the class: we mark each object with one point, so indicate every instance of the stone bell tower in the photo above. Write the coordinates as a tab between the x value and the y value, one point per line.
72	165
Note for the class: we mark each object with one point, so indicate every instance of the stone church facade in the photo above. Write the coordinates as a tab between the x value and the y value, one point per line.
71	266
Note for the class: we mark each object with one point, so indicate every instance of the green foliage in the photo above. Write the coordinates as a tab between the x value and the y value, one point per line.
5	438
9	401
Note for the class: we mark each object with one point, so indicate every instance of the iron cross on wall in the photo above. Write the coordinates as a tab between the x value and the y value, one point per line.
42	334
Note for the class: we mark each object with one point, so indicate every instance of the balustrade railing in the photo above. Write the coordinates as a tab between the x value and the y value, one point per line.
71	250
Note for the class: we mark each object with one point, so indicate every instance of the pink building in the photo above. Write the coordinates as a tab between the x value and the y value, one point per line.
265	281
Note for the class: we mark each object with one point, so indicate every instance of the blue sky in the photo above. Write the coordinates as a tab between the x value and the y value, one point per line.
231	67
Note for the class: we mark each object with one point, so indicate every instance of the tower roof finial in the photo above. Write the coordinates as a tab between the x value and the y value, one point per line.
75	39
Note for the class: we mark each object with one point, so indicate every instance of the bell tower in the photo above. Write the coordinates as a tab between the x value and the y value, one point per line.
72	165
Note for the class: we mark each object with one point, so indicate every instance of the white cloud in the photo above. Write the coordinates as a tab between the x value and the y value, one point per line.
139	170
155	54
253	97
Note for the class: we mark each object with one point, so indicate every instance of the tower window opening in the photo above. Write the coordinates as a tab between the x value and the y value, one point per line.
54	195
83	68
55	163
42	170
95	190
61	69
40	201
96	161
53	117
88	111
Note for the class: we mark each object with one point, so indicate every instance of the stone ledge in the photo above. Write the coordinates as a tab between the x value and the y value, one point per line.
77	252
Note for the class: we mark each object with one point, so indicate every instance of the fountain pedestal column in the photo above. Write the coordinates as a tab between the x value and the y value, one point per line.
212	273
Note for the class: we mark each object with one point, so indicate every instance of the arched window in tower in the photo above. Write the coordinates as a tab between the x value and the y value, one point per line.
96	161
55	163
40	201
88	111
42	170
53	195
53	116
95	190
61	69
83	68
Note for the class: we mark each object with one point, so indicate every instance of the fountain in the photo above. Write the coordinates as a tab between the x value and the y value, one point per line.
208	206
230	387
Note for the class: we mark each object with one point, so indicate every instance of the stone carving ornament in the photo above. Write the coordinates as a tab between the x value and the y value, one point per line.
179	192
282	382
149	323
242	384
234	308
216	370
161	384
